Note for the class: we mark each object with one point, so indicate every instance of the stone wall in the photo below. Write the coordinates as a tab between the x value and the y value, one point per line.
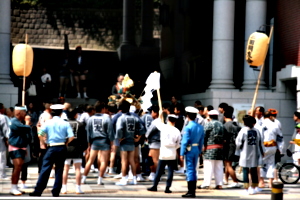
93	29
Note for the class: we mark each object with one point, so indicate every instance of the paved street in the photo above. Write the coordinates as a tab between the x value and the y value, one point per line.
110	191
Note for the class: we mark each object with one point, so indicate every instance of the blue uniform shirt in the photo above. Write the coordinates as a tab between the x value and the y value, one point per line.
56	130
193	134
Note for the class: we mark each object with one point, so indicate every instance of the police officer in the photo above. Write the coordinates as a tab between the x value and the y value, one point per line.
191	145
56	131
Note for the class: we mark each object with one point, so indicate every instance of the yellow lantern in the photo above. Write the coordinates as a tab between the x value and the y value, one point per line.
257	48
22	59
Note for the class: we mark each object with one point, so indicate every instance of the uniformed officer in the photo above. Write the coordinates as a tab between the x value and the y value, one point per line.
191	145
59	134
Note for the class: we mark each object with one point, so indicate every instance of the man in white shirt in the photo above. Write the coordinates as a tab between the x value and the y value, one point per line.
170	139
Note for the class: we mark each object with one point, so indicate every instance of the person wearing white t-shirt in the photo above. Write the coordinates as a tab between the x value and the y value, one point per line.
170	141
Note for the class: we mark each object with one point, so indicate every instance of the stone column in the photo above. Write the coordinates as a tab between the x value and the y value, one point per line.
8	93
256	11
5	41
147	23
128	48
223	41
128	22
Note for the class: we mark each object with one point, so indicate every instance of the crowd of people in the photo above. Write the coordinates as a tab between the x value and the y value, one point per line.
111	139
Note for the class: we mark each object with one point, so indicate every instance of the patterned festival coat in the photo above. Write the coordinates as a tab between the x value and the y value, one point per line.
213	140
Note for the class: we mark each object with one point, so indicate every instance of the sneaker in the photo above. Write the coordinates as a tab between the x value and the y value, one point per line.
52	174
139	178
63	190
4	178
251	191
121	182
15	192
118	176
99	181
85	96
234	185
257	189
23	186
225	182
83	180
180	171
133	182
105	175
96	170
79	191
78	96
151	177
111	171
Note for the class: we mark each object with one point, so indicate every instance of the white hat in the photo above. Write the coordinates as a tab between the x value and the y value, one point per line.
173	116
132	109
57	107
21	108
213	112
191	109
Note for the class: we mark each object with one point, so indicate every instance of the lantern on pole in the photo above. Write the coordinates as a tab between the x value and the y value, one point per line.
22	60
256	51
257	48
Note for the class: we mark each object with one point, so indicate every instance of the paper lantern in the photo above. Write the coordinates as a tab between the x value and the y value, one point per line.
22	57
257	48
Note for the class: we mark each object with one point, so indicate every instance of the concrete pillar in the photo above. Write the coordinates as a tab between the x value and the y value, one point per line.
223	39
128	49
8	93
128	22
147	23
5	41
256	11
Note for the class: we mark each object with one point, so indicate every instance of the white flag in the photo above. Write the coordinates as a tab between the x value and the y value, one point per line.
152	83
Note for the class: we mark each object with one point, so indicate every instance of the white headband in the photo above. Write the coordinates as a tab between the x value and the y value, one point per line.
21	108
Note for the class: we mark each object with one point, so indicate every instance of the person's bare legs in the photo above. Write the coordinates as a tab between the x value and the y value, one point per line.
261	180
154	153
76	78
137	159
83	78
230	171
124	161
77	173
17	162
112	157
131	162
92	157
103	157
65	174
61	84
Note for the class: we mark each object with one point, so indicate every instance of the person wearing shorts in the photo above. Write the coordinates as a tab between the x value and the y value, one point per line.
18	141
75	152
100	136
153	137
128	130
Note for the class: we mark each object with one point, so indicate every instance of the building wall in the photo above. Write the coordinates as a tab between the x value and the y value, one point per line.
93	29
287	29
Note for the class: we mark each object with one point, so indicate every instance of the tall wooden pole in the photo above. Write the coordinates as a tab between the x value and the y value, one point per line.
259	76
24	78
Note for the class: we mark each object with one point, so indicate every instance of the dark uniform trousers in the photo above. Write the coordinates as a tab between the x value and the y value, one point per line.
54	155
160	170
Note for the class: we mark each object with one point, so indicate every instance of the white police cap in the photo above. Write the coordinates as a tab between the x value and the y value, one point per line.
191	109
213	112
57	107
